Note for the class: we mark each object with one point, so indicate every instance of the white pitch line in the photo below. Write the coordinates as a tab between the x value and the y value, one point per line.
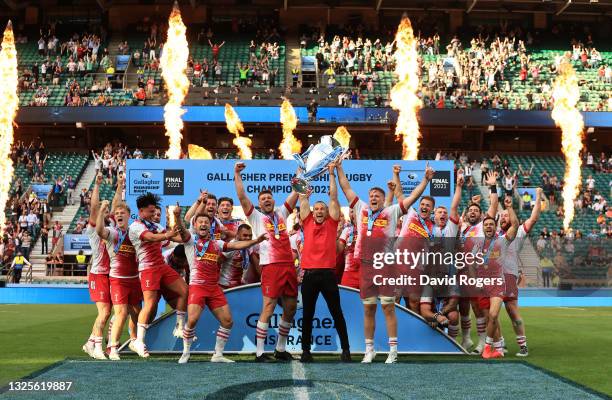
298	373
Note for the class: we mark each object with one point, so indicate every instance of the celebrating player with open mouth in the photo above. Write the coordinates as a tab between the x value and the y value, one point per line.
375	222
278	275
203	254
147	238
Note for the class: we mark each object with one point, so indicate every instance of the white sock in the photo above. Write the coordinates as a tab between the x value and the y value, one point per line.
283	332
502	341
98	343
92	340
188	335
369	345
499	346
392	344
481	325
141	331
180	319
222	337
453	331
261	332
489	340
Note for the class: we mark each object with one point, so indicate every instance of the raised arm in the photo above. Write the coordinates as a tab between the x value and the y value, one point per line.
398	190
454	211
245	244
535	212
117	198
292	199
514	224
244	200
334	205
182	235
418	191
102	230
304	206
391	185
345	185
491	181
193	210
94	204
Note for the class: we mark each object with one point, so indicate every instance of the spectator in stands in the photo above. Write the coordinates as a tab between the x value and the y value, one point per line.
44	239
312	109
17	266
56	234
215	49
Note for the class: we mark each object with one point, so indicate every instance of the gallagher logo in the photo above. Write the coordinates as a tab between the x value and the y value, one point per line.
146	175
174	180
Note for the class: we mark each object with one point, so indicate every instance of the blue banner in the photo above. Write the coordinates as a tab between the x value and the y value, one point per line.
181	180
414	334
74	243
41	190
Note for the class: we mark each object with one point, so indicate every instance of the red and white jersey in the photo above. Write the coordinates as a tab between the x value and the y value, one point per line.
123	263
297	243
233	265
149	253
100	261
412	227
470	235
493	252
204	260
273	250
511	259
383	226
449	231
349	238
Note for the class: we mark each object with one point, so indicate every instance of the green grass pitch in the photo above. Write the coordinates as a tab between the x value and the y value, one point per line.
573	343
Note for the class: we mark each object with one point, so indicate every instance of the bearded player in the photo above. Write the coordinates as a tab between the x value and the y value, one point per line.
470	233
97	278
493	248
278	275
147	238
207	204
375	224
511	270
203	254
124	283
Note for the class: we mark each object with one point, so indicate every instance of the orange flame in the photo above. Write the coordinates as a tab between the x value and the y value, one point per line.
171	219
343	136
174	63
566	95
234	125
198	153
403	94
9	102
289	144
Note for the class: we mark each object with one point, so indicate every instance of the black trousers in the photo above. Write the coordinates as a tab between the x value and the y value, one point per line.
321	281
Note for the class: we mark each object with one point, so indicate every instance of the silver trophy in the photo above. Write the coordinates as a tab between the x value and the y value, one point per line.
314	161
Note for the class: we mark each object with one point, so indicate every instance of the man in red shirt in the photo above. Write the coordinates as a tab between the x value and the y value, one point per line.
318	262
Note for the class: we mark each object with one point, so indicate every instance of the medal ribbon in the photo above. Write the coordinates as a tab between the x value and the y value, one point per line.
149	225
275	223
120	239
372	217
200	253
424	224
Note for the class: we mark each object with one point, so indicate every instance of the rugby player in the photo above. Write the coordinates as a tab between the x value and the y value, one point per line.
203	254
346	246
470	233
224	213
147	238
493	248
97	278
207	204
375	222
278	275
125	289
235	264
445	232
511	269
